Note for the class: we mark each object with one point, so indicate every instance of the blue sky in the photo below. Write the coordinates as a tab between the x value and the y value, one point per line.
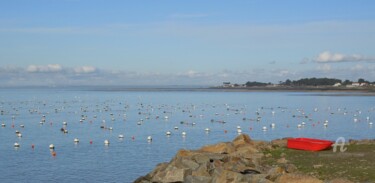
75	42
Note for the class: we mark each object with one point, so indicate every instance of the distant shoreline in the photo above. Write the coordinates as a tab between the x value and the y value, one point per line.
336	91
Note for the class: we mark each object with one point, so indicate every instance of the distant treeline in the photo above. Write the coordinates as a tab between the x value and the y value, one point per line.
312	82
308	82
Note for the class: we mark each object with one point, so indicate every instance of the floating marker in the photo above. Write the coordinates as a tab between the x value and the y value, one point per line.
106	142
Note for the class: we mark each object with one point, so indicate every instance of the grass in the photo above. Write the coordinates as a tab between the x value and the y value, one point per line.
355	164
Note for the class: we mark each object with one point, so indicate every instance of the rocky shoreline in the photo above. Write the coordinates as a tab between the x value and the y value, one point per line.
241	160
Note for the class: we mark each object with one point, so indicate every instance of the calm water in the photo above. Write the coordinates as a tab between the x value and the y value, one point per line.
126	159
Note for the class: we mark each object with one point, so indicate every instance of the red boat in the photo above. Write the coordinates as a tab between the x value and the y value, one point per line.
308	144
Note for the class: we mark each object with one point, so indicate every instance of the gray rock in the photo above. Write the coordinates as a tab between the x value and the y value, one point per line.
196	179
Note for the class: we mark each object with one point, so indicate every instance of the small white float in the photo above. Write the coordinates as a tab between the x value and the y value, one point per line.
106	142
16	144
149	138
168	133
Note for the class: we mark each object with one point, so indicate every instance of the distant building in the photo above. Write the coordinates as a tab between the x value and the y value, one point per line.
356	84
337	84
227	84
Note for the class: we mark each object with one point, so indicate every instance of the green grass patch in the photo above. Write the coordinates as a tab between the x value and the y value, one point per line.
357	163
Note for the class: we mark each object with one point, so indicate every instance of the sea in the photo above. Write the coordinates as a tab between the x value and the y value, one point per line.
126	117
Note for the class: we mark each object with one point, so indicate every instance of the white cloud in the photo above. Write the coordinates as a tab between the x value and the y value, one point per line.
328	57
44	68
324	68
84	69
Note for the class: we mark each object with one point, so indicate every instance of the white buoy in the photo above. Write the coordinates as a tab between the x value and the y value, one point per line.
193	124
110	128
183	134
368	118
176	128
370	123
65	123
76	140
19	135
139	123
239	131
207	129
299	126
303	123
325	124
106	142
168	133
355	120
238	127
264	128
65	131
149	138
166	117
16	144
121	136
51	146
22	126
273	125
3	125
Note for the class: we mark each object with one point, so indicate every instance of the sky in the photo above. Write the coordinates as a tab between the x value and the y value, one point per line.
169	42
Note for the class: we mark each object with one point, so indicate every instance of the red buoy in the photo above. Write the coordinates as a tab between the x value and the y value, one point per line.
90	141
225	131
133	137
32	146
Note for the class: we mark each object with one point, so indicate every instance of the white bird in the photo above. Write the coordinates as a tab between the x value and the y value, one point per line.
168	133
76	140
51	146
183	134
264	128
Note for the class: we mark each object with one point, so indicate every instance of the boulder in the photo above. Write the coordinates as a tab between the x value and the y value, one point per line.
222	148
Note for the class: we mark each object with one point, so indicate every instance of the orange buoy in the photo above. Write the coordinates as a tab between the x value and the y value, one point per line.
53	153
225	131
